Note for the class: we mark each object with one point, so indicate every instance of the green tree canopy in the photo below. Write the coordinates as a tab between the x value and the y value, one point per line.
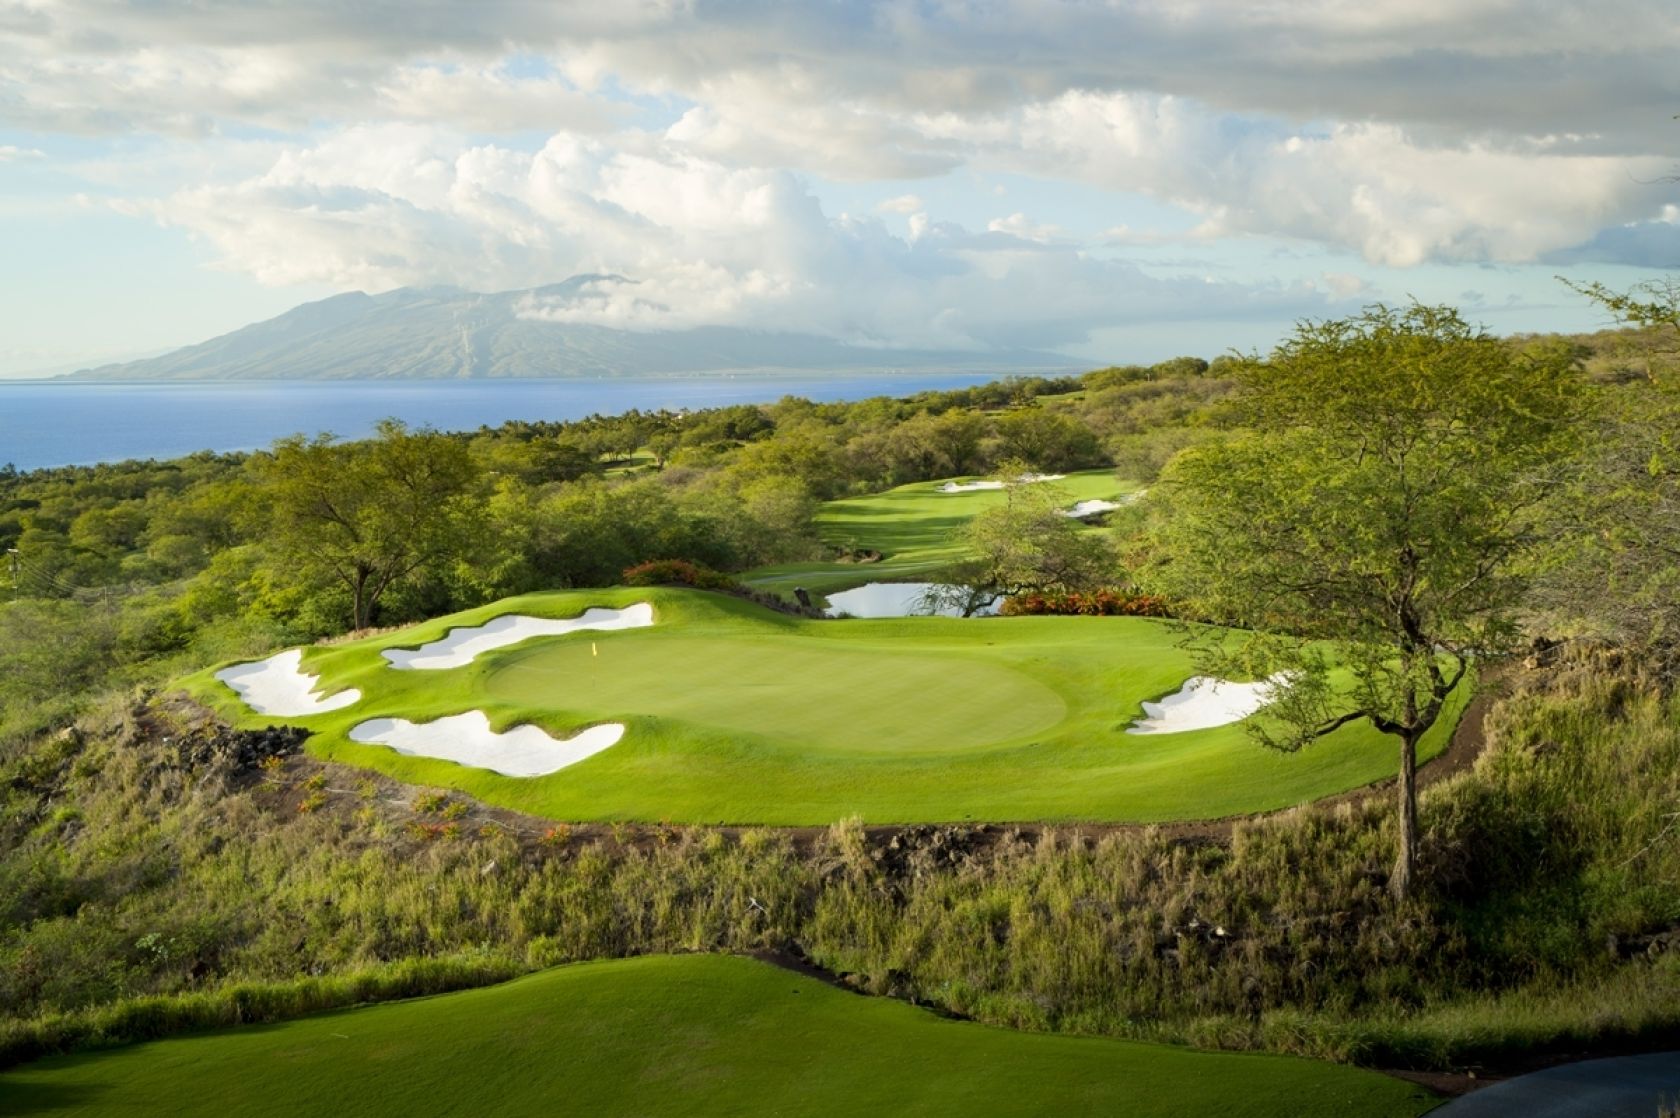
371	514
1382	501
1025	545
1617	573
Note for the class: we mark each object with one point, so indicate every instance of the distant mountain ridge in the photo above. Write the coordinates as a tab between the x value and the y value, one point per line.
436	333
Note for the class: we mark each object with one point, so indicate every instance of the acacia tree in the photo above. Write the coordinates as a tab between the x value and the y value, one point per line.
1025	545
368	514
1381	502
1617	574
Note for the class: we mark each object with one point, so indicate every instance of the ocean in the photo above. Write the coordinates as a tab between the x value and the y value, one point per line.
56	423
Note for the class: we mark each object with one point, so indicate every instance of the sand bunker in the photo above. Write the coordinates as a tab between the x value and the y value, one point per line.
975	486
1090	508
460	647
278	686
893	599
1203	703
467	739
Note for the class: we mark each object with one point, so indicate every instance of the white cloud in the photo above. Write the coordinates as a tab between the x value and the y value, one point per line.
329	141
1346	285
905	204
10	152
1464	67
1020	226
696	242
1368	187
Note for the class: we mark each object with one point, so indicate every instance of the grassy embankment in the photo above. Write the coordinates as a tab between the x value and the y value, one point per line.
150	885
737	714
679	1035
913	528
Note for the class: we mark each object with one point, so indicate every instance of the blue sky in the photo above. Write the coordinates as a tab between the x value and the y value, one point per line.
1121	181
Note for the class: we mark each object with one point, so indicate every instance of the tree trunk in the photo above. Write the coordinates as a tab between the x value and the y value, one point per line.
359	605
1405	862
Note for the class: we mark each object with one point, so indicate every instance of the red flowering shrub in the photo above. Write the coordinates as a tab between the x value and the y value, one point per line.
677	572
1100	603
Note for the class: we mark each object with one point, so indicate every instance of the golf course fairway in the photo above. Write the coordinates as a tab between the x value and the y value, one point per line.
678	1035
914	527
736	714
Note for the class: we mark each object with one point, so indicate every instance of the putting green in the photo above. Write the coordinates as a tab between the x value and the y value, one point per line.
736	714
789	689
695	1034
913	528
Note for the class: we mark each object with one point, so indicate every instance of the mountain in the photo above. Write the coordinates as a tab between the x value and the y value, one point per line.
445	332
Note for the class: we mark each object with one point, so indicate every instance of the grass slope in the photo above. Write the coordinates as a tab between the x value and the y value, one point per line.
912	527
678	1035
737	714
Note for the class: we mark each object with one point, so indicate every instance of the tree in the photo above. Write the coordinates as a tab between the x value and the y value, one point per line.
1026	545
1047	440
1381	503
368	514
1616	576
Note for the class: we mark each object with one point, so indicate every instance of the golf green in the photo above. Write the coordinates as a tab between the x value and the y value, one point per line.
792	689
678	1035
913	527
736	714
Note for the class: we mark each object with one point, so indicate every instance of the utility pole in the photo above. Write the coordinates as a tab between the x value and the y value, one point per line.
13	552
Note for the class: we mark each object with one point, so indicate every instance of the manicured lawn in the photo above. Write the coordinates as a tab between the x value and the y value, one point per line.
736	714
912	528
680	1035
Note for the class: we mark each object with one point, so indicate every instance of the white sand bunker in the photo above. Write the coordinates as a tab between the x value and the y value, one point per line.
279	686
1090	508
467	739
1205	702
975	486
459	647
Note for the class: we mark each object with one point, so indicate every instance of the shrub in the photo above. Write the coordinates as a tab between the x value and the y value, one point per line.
677	572
1099	603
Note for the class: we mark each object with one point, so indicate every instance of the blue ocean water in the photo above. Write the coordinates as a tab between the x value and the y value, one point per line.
54	423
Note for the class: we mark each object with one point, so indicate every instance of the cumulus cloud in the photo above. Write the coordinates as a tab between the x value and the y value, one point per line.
1642	244
1021	227
905	204
1345	285
1405	131
1369	187
682	241
1601	74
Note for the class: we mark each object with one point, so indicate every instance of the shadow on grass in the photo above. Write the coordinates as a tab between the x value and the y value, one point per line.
22	1094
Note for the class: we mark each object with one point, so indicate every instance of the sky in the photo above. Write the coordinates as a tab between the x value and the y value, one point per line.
1118	181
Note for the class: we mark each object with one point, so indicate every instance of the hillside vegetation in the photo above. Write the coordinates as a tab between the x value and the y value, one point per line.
164	870
155	881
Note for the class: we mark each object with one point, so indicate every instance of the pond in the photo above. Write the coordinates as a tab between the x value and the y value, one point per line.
894	599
